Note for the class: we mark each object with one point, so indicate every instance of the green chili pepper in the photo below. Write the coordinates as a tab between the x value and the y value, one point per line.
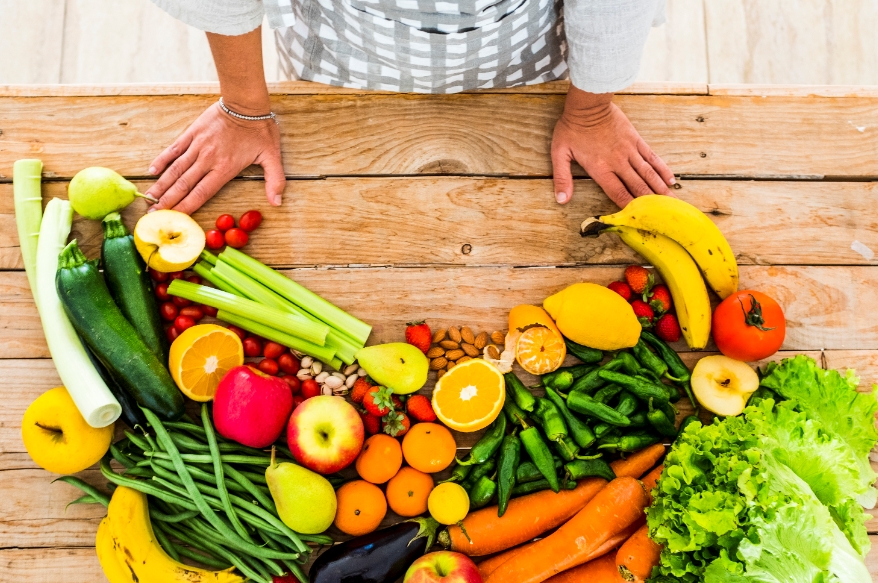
555	428
529	472
677	369
576	470
583	403
539	485
686	422
488	445
660	422
482	492
567	448
514	414
669	410
459	473
576	371
592	381
510	457
630	365
674	394
648	360
560	380
631	442
628	403
687	386
638	387
603	429
485	469
539	453
584	353
638	419
579	431
523	397
606	393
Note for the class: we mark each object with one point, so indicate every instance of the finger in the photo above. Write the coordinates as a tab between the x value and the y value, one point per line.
170	153
563	177
275	180
615	189
183	186
633	181
649	175
172	174
657	163
202	192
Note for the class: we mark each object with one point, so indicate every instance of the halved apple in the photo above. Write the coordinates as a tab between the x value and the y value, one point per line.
723	385
168	240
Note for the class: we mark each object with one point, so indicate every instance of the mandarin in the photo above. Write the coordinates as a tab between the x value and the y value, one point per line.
361	508
380	459
429	447
408	490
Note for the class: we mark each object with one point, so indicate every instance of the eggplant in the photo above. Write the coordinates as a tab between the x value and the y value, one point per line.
382	556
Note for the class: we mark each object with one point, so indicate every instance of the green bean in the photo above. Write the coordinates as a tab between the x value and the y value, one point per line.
254	477
197	458
187	442
85	487
84	499
164	542
201	475
172	518
145	487
220	477
216	538
241	479
137	440
120	457
291	565
205	560
222	552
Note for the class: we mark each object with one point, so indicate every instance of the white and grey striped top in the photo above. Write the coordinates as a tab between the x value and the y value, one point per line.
443	46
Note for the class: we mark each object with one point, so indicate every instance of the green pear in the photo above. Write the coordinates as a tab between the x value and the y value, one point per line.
96	192
398	365
305	500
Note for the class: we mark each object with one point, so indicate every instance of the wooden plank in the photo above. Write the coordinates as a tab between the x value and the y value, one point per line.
785	223
457	134
677	50
779	90
31	41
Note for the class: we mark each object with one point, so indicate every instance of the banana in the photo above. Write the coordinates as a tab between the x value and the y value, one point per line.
686	225
682	276
129	552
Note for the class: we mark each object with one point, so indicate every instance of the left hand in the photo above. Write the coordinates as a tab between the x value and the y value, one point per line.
595	133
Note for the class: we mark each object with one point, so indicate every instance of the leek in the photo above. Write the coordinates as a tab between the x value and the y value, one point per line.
238	306
323	353
26	176
331	314
89	391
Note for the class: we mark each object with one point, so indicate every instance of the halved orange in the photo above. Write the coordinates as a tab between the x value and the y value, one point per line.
540	350
469	396
201	356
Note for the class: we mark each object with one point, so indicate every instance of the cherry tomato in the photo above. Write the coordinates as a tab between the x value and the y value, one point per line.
297	400
252	346
748	325
181	302
172	333
242	334
225	222
237	238
183	323
194	312
310	388
194	279
214	239
273	350
294	383
268	366
168	311
289	363
175	275
158	275
250	220
211	311
161	292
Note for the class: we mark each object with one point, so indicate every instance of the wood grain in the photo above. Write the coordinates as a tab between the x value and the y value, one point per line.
31	42
457	134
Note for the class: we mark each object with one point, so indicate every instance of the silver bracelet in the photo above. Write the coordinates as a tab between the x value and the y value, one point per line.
270	114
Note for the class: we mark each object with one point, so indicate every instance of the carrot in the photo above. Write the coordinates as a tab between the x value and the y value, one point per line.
611	511
650	480
530	516
488	566
600	570
637	556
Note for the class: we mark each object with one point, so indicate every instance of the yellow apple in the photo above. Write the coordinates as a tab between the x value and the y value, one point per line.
723	385
168	240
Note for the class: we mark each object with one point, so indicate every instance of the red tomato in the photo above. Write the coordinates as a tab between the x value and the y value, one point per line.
194	312
289	363
273	350
183	323
236	238
161	292
295	384
213	239
194	279
225	222
172	333
175	275
211	311
158	275
250	220
242	334
268	366
181	302
310	388
252	346
747	330
168	311
297	400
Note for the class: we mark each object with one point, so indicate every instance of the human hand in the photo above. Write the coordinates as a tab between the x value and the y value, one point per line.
597	134
212	151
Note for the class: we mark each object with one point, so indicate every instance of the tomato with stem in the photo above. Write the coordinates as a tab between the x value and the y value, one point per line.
748	325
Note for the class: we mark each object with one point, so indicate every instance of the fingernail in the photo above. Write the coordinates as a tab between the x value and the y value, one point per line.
672	181
276	200
151	170
151	209
561	197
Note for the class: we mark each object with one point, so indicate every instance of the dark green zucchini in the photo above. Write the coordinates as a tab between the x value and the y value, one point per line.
111	337
128	282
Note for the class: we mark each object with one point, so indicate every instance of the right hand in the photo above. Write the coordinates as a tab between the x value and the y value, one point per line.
210	153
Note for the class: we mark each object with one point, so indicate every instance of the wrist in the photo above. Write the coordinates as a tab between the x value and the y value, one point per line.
247	104
587	109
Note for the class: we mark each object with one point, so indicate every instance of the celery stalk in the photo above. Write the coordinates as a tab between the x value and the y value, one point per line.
270	317
322	353
299	295
208	257
253	289
26	177
344	350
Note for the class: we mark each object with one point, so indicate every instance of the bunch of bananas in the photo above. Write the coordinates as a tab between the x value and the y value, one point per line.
682	243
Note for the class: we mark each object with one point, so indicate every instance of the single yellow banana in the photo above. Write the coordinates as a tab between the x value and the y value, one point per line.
138	555
113	570
682	276
686	225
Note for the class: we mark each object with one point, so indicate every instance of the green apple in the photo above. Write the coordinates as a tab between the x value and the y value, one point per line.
400	366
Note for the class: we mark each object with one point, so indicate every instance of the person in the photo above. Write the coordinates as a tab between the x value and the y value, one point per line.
425	46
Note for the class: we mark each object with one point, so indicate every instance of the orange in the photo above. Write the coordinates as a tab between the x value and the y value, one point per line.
408	490
469	396
429	447
201	356
380	459
540	351
361	508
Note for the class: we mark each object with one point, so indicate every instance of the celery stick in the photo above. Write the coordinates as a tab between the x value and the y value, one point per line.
299	295
26	177
322	353
344	350
208	257
202	269
336	363
253	289
271	317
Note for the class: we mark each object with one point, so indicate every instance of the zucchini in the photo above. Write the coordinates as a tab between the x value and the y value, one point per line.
128	282
111	337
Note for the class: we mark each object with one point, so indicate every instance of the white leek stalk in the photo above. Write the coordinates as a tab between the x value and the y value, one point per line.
26	178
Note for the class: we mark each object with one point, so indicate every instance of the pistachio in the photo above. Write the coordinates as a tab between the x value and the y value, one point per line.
307	361
304	374
321	378
351	369
316	367
333	382
361	372
351	380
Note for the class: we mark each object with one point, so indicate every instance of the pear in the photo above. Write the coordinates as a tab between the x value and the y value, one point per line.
96	192
398	365
305	500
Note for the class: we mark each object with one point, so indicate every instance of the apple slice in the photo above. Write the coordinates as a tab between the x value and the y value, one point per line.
723	385
168	240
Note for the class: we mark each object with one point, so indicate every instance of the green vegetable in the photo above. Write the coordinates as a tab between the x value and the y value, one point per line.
482	492
488	445
584	353
648	360
514	414
583	403
540	485
592	381
606	394
459	473
510	458
539	454
660	422
529	472
579	431
26	182
558	379
523	397
485	469
641	389
579	469
630	442
566	448
687	421
627	404
677	369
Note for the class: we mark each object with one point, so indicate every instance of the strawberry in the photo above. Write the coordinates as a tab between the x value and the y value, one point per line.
418	335
371	423
377	401
660	300
643	312
639	278
419	408
668	328
362	385
396	424
622	288
397	403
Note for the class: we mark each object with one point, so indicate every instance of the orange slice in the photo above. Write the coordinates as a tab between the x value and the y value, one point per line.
469	396
540	350
201	356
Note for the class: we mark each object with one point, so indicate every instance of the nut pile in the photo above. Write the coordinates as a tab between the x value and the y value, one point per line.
331	383
455	345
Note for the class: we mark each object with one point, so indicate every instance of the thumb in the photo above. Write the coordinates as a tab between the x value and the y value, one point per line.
275	180
563	177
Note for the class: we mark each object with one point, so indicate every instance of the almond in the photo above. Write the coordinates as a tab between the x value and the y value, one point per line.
439	335
449	345
451	365
481	340
463	359
454	334
438	363
467	335
498	338
470	350
493	353
440	373
454	354
436	352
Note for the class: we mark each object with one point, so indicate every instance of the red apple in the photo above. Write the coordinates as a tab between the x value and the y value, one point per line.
325	434
251	407
444	566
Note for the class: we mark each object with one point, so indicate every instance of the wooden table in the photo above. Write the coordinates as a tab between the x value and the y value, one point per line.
403	207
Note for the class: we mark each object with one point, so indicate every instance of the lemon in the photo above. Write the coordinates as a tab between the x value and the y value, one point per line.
448	503
594	316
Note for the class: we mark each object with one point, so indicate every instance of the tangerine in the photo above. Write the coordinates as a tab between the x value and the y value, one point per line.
380	459
361	508
429	447
408	490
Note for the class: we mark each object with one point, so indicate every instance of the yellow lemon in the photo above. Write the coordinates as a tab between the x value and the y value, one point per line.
594	316
448	503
